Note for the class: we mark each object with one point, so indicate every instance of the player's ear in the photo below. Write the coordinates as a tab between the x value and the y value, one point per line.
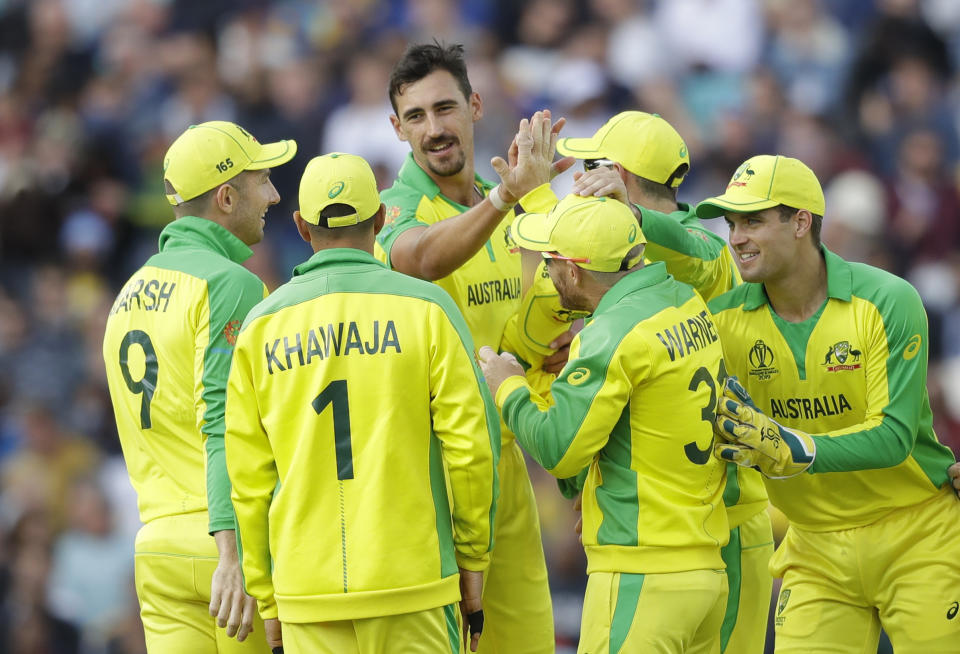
396	127
303	227
476	106
803	220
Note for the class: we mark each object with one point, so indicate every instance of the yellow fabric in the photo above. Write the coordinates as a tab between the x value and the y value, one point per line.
645	144
765	181
752	609
166	463
516	597
413	418
597	232
902	571
677	613
829	398
209	154
174	564
338	178
423	632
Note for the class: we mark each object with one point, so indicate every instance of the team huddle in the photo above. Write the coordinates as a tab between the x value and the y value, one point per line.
338	466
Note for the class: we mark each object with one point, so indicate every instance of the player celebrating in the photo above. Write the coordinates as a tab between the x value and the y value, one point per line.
445	223
354	403
834	356
634	403
167	348
640	159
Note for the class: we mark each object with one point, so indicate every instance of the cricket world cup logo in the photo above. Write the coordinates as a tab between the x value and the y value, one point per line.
761	360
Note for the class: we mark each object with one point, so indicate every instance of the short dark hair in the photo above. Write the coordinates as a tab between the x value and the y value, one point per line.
198	206
419	60
658	190
815	226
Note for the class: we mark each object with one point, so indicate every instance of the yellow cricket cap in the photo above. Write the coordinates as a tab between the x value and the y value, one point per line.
594	233
766	181
645	144
338	178
209	154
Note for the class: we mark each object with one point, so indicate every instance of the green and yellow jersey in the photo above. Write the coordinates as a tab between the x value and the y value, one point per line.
854	376
359	426
635	403
693	253
167	348
488	287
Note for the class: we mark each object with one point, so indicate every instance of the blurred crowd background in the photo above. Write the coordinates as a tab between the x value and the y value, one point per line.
93	91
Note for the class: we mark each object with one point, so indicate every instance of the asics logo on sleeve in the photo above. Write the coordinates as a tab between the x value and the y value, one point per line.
952	611
913	346
578	376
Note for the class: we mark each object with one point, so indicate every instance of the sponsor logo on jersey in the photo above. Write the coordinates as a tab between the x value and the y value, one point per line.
781	605
842	356
392	214
761	359
231	331
913	347
809	408
688	335
952	611
578	376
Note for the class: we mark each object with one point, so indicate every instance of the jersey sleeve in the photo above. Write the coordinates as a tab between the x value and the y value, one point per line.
695	256
466	423
589	396
249	459
403	205
896	373
230	295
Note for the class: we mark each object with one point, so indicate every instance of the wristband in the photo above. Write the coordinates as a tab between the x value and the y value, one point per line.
497	200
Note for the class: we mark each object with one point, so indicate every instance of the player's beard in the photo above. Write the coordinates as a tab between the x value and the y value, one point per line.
446	167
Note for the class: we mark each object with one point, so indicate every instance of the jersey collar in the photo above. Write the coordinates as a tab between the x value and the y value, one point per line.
335	257
839	282
416	177
191	231
649	275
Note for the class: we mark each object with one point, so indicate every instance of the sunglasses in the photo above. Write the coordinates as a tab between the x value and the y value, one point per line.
590	164
557	255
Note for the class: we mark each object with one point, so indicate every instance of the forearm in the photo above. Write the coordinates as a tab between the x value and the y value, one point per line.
226	540
436	251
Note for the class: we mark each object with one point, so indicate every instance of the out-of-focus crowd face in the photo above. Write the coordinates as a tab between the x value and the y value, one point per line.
92	92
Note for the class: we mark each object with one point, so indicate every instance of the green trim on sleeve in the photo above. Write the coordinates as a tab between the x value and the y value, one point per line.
665	231
402	213
906	427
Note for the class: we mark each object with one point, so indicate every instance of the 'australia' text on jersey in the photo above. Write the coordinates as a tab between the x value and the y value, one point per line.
495	290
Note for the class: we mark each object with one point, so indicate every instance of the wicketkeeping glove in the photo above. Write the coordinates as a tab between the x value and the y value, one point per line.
755	440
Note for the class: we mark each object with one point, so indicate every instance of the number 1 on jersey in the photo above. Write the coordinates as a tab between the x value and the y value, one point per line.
336	394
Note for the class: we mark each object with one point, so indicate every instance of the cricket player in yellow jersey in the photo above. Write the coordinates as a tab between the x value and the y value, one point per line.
361	441
636	404
447	224
167	349
640	159
834	357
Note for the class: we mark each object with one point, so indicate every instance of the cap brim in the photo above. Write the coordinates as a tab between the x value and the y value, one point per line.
531	231
274	154
581	148
723	204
